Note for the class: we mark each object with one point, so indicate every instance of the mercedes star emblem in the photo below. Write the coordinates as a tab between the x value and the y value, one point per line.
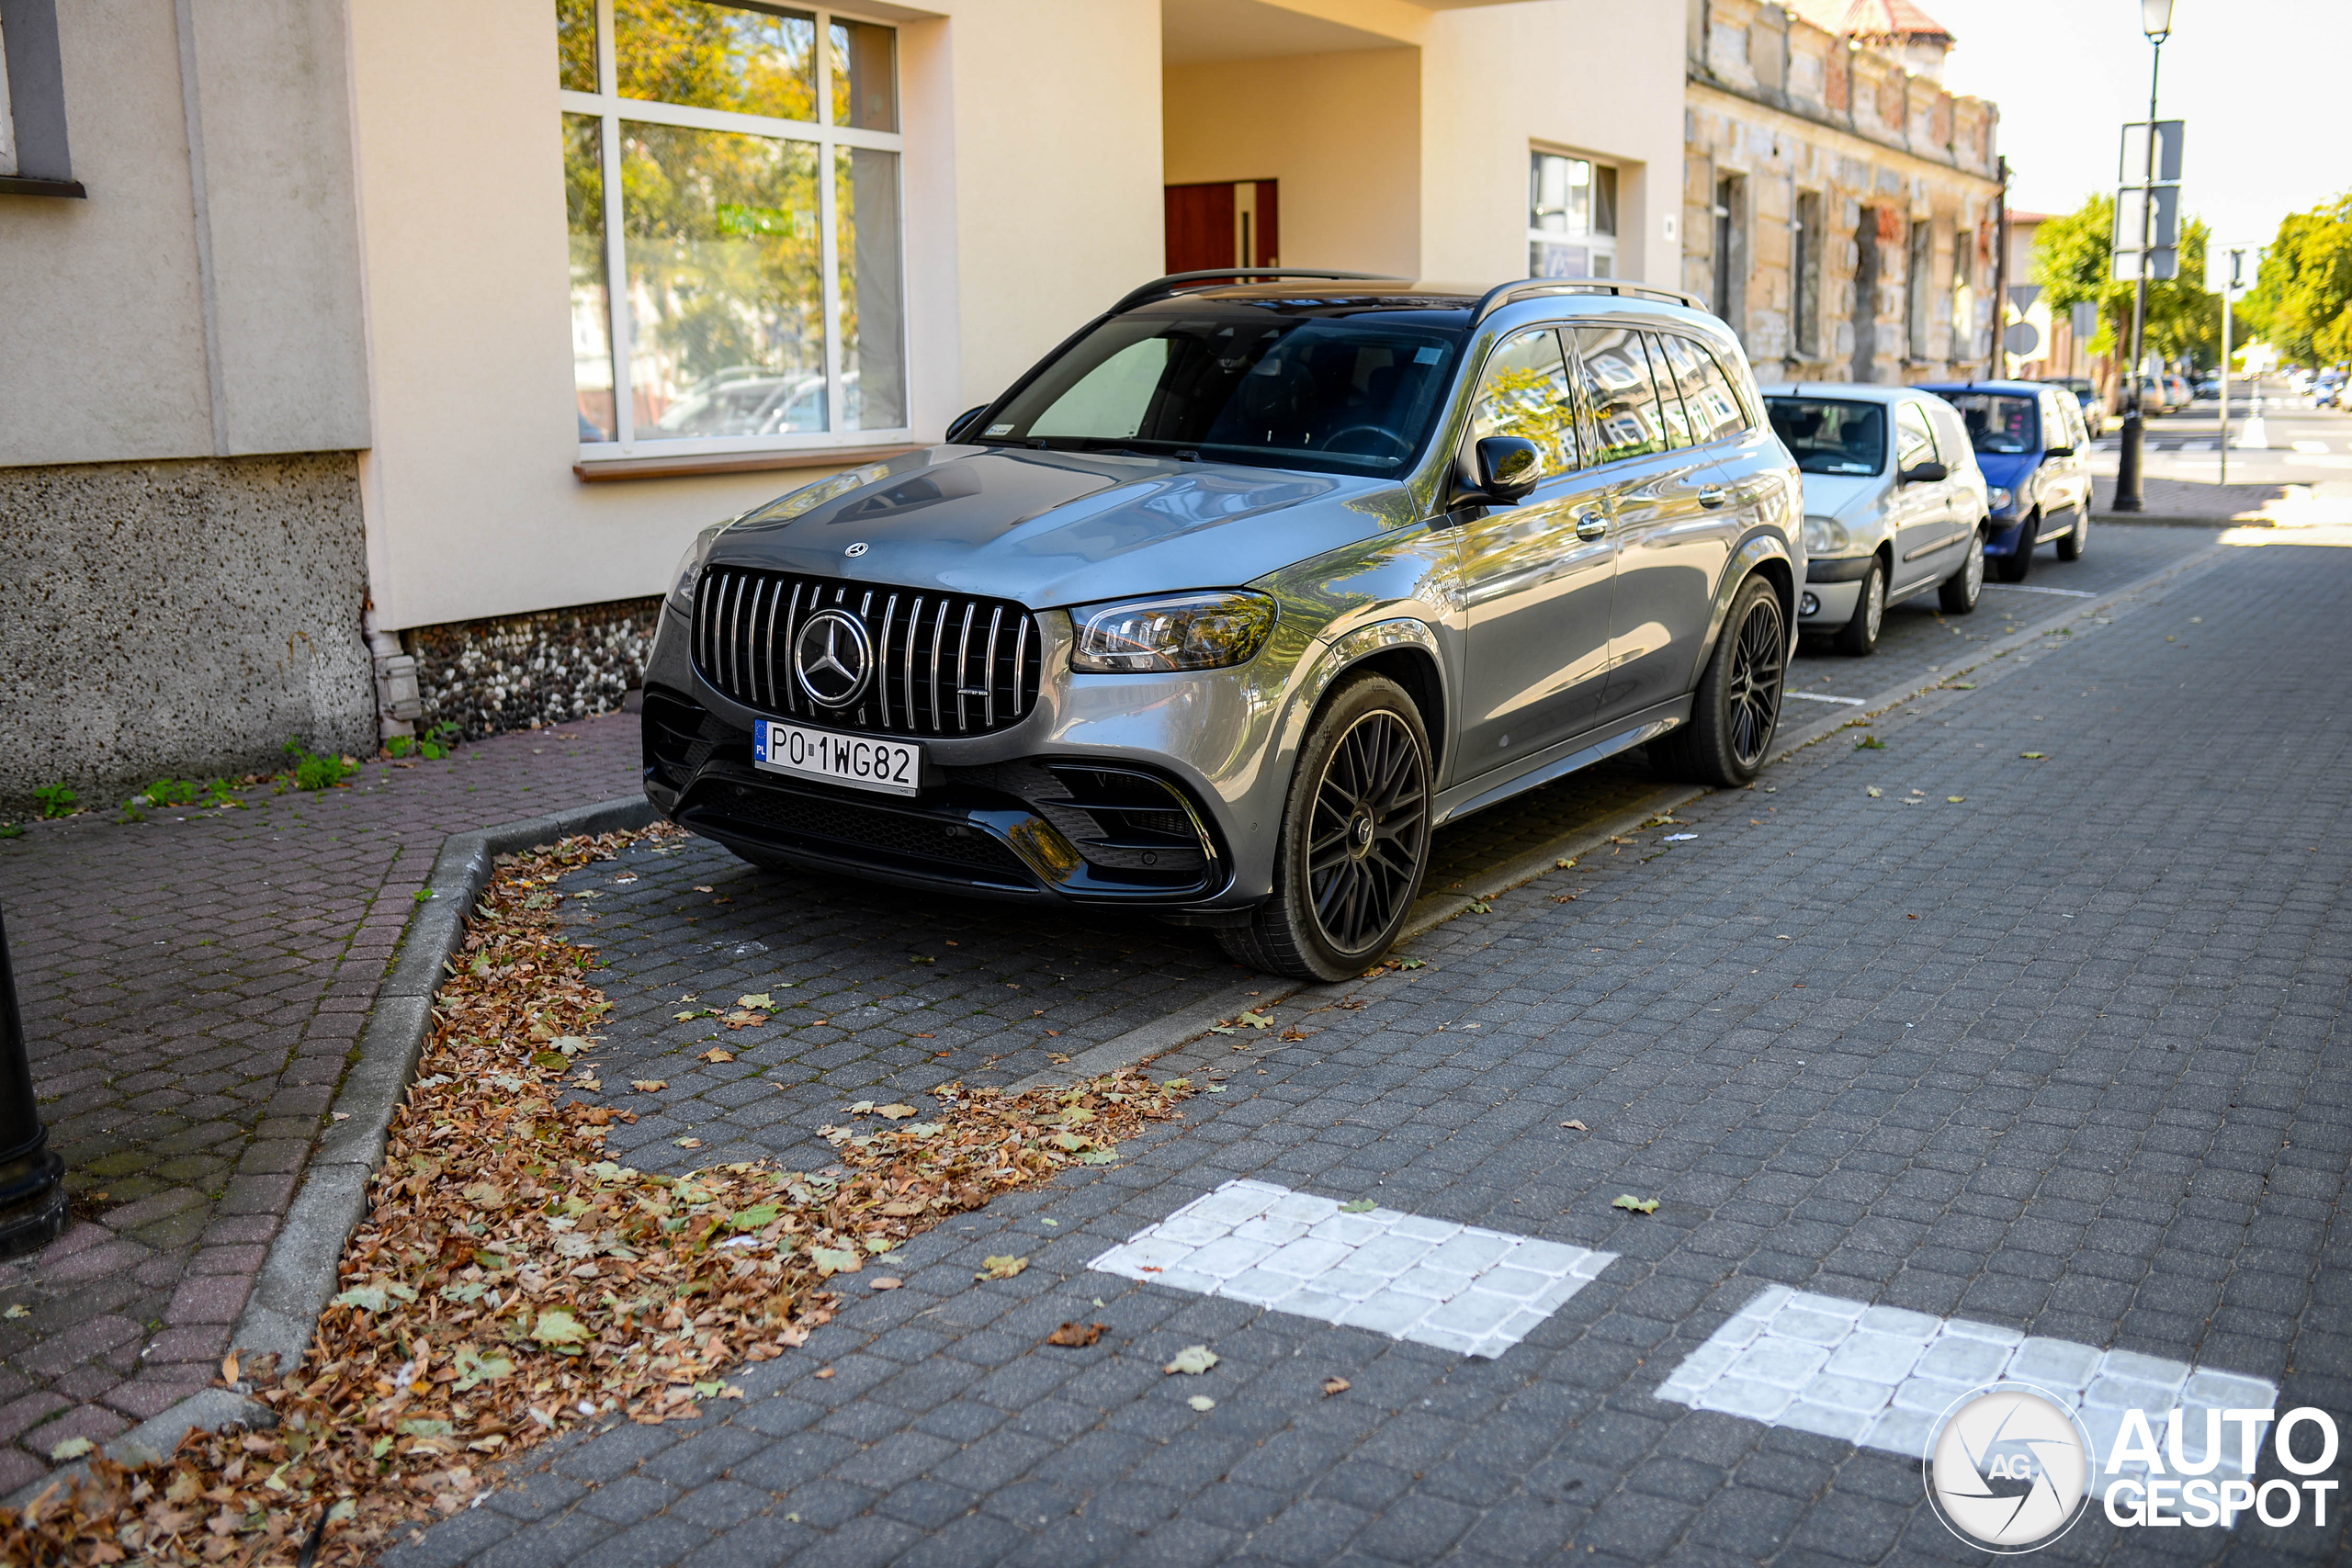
832	658
854	551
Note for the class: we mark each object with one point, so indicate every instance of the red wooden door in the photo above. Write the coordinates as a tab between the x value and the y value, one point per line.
1226	223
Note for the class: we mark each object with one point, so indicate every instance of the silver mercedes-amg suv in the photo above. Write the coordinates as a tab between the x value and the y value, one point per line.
1242	592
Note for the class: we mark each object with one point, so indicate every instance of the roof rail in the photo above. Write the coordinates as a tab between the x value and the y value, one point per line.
1496	298
1163	287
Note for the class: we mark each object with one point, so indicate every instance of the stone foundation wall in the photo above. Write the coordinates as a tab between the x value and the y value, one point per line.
185	618
522	671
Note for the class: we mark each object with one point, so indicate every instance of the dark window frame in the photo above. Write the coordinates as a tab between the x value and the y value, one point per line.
36	70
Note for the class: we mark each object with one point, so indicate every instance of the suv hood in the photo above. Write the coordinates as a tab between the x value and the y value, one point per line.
1056	528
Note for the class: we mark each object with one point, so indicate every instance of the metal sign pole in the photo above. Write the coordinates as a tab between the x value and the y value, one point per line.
2128	487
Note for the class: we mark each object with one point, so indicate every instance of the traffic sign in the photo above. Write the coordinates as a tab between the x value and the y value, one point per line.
2133	164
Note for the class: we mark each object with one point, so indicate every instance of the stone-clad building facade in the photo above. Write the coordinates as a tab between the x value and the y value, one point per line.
1839	204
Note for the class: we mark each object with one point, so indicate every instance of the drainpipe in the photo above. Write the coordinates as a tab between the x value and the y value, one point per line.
398	702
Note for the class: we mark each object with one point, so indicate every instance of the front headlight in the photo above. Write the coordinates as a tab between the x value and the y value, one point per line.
682	581
1823	537
1187	631
1998	499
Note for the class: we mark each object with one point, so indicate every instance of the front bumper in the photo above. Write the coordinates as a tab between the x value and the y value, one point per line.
1832	604
1074	830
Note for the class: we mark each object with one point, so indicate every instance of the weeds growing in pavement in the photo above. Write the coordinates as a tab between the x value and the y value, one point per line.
432	744
12	829
55	800
510	1283
317	770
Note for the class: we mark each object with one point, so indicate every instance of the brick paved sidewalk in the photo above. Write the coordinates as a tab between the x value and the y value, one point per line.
193	987
2061	1057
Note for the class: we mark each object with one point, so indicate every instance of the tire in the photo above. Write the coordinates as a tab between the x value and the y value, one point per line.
1737	705
1959	592
1356	839
2015	566
1859	636
2078	538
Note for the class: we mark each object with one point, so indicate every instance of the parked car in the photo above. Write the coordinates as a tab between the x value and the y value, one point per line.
2035	451
2327	389
1893	504
2092	407
1241	592
2178	395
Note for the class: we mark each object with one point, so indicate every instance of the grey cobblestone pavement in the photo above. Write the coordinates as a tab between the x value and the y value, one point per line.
2061	1055
192	986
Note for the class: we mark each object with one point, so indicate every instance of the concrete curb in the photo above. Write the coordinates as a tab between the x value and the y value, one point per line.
1434	909
297	1274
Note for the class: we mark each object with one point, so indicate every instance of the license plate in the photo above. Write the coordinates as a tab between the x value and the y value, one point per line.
861	762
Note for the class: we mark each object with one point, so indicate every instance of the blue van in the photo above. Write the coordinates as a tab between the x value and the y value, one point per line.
2035	451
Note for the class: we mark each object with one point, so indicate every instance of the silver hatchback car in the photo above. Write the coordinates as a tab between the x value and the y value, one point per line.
1242	593
1895	504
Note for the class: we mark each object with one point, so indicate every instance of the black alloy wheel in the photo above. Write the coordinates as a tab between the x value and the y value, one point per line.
1367	833
1356	839
1737	705
1759	663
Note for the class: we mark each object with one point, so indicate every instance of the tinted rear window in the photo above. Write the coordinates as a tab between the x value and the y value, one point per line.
1997	422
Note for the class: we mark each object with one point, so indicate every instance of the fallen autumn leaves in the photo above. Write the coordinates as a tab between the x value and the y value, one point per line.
510	1283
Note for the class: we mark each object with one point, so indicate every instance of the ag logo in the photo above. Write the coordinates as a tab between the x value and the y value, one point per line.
2008	1469
832	658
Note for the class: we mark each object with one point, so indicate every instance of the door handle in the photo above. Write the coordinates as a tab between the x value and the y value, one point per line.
1592	525
1714	496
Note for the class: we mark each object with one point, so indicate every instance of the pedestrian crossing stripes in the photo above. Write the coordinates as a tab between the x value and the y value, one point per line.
1881	1377
1433	1282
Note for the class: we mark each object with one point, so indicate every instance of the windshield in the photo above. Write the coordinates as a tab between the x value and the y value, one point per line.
1831	435
1350	395
1997	422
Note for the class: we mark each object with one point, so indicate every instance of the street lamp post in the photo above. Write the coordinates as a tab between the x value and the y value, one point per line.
32	1198
2155	20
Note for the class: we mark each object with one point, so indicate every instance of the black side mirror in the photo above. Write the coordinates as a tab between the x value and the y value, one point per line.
2058	451
1923	473
1508	468
964	424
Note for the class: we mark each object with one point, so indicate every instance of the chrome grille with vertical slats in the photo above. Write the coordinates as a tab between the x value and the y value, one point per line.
948	663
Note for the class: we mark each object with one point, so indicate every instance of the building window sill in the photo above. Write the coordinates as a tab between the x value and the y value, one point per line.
16	185
605	469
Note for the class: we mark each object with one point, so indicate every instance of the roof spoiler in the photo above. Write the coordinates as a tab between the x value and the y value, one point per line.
1528	289
1175	282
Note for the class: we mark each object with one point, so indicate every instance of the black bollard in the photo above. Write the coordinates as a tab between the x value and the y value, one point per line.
33	1195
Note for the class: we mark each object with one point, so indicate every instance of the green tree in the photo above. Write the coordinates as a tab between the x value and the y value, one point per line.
2301	300
2073	258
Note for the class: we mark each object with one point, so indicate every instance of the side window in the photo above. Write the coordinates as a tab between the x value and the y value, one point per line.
1914	443
1668	376
1714	408
1951	436
1525	394
1624	400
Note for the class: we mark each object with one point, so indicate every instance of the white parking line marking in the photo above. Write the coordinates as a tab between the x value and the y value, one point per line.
1434	1282
1826	697
2063	592
2317	447
1880	1376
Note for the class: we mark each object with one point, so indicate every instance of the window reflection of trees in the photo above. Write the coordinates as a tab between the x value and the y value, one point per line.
1526	394
723	231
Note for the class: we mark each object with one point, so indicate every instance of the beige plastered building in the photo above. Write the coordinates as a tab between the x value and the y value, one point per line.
1839	204
309	352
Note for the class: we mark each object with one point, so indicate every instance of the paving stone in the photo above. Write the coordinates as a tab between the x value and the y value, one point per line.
2053	1065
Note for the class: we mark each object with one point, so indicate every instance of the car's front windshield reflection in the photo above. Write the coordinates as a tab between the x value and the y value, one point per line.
1350	394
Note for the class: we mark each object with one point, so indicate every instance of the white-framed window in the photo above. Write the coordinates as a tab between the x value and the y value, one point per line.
1571	216
732	184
